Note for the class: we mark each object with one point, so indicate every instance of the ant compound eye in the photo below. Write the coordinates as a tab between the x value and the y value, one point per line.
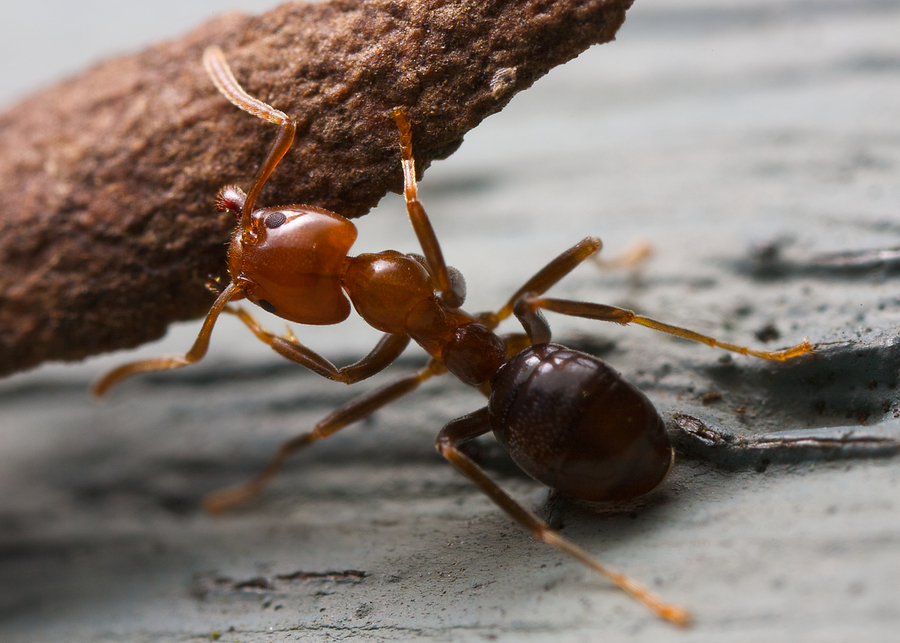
268	306
275	219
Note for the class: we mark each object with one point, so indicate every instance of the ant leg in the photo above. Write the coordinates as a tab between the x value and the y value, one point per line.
383	355
457	281
450	291
531	304
546	277
634	256
195	354
220	73
353	411
474	424
515	343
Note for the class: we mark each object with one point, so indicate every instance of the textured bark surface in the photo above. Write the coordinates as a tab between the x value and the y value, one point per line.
107	232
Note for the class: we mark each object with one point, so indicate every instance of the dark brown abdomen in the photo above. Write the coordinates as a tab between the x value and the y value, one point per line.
574	424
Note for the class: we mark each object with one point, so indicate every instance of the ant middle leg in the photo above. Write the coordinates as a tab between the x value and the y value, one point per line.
528	306
386	351
471	426
353	411
635	256
434	258
546	277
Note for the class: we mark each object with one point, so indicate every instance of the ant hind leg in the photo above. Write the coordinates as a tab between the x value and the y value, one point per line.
475	424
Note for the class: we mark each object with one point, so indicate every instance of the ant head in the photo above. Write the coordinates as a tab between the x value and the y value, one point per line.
291	259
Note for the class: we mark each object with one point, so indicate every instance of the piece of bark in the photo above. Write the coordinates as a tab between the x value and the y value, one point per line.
107	231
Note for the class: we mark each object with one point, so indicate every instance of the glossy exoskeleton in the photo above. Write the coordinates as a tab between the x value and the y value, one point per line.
566	418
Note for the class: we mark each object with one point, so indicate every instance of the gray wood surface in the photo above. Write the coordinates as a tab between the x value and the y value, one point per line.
748	142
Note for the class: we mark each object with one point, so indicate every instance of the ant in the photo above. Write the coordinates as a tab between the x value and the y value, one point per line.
566	418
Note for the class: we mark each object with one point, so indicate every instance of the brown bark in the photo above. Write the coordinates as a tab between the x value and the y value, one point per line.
107	232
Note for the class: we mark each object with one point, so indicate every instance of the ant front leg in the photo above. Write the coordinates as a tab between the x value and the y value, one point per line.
383	355
353	411
195	354
530	304
475	424
451	291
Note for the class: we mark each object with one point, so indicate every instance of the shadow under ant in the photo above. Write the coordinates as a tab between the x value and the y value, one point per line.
840	394
767	262
845	383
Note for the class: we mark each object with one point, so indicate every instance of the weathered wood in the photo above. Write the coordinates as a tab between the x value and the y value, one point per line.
106	227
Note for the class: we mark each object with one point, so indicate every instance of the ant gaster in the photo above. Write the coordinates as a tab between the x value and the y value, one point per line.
566	418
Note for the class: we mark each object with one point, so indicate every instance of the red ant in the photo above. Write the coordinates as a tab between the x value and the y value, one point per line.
566	418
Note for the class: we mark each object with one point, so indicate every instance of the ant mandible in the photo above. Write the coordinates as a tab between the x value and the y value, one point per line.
566	418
